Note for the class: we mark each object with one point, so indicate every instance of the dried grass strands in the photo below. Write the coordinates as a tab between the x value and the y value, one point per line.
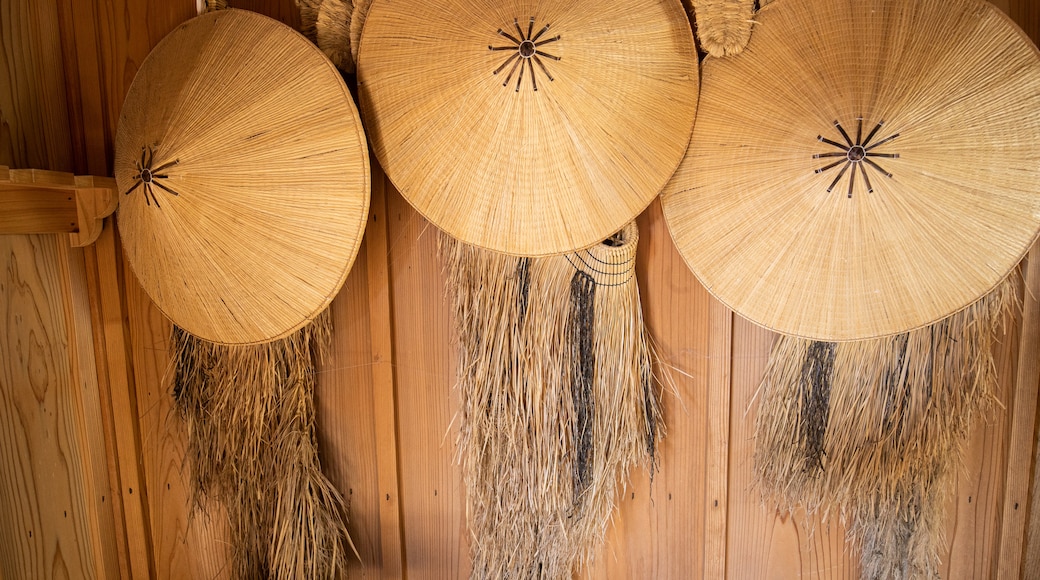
558	403
214	5
357	24
893	413
250	416
309	18
723	26
332	32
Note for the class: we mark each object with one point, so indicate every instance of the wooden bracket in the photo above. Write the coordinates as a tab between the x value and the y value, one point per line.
33	201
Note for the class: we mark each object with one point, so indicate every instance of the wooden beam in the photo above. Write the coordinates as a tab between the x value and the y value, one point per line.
34	201
720	363
384	394
1022	409
123	402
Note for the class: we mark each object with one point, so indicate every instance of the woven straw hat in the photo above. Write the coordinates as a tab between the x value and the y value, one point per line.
864	167
528	127
246	178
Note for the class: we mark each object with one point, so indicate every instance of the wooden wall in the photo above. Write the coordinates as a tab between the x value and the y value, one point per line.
92	480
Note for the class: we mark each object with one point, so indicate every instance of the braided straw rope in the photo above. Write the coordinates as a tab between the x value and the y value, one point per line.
723	26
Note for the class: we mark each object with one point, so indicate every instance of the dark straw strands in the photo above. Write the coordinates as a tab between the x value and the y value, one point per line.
558	401
871	430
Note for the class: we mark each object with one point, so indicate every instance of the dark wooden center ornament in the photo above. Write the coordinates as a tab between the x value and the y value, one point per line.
527	53
527	49
855	155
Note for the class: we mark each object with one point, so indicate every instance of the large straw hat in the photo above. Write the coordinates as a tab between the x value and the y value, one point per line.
865	167
246	178
528	127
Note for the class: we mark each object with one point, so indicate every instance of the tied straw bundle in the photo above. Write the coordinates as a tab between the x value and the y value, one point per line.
249	412
723	26
558	400
864	176
873	429
335	26
246	188
498	146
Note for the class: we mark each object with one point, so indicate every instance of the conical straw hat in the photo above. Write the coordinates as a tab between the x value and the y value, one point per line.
943	98
259	178
448	93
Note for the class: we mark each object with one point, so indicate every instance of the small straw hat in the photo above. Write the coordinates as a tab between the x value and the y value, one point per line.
244	177
864	167
528	127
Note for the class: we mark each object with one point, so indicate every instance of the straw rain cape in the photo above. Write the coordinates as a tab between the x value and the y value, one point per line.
245	184
558	400
863	179
527	130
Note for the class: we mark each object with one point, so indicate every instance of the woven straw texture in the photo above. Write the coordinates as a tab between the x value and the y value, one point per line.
514	169
960	86
261	178
723	26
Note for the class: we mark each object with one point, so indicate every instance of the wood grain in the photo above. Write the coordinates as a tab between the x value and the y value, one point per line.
34	121
96	479
762	542
345	403
178	536
665	529
48	525
667	514
384	395
1022	411
432	500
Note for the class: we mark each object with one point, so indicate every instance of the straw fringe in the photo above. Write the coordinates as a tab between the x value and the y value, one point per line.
557	401
357	24
895	415
250	417
309	18
214	5
723	26
332	32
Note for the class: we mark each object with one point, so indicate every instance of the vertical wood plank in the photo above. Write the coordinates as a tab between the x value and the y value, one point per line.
34	122
383	387
1022	412
762	542
114	499
658	528
183	544
49	526
344	400
85	397
719	385
123	401
80	54
432	492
